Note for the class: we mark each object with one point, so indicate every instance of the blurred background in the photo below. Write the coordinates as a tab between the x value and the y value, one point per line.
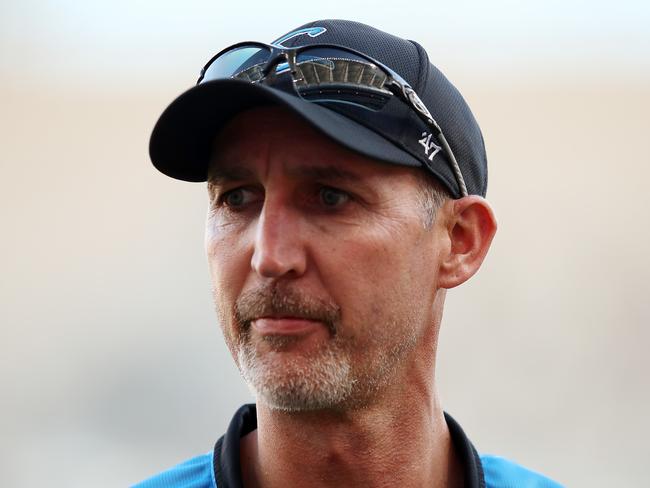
111	362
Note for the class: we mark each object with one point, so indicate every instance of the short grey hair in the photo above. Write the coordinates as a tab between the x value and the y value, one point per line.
432	195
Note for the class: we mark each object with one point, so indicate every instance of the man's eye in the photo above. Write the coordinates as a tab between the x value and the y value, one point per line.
237	197
331	197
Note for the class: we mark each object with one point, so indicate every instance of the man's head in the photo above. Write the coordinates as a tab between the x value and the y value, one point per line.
327	283
330	236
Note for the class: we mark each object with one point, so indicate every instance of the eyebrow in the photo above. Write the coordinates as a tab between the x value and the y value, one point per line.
223	174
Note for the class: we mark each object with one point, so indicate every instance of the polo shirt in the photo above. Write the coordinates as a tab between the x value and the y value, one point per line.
221	468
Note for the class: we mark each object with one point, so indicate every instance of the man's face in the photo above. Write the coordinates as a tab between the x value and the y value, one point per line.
324	275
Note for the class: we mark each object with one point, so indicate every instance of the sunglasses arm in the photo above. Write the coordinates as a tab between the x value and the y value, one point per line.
407	94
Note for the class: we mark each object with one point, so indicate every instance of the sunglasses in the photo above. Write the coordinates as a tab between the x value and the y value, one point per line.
325	73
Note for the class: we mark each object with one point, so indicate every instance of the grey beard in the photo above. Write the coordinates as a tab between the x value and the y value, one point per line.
321	381
325	381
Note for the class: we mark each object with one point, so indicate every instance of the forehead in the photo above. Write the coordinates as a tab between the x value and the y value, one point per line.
276	135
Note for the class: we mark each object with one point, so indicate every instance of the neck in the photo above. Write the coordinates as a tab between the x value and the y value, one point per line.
404	445
400	439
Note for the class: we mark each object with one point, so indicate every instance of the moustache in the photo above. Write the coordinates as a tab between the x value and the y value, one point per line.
274	300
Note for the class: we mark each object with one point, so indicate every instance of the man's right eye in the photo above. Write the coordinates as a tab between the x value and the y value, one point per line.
237	197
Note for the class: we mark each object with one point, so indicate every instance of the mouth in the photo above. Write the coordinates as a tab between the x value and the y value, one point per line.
271	310
287	325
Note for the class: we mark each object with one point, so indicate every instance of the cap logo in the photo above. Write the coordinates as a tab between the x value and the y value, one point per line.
310	31
428	145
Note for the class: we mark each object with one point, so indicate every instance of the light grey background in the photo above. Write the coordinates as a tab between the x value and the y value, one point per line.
111	363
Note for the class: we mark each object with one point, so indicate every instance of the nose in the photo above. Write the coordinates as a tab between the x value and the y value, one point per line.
279	248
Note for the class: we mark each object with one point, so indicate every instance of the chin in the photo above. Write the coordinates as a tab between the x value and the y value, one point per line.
294	382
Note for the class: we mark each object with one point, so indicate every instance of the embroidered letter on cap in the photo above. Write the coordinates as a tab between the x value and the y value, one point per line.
428	145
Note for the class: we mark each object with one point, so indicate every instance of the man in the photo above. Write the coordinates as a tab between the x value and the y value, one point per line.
346	178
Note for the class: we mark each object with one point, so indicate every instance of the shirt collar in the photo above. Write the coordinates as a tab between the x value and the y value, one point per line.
227	468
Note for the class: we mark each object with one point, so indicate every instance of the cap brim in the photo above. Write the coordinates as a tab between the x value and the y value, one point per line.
181	141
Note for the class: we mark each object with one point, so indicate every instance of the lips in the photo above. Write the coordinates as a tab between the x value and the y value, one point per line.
286	325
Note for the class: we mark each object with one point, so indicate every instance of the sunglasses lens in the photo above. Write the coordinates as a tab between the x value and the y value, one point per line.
327	65
245	62
323	74
334	75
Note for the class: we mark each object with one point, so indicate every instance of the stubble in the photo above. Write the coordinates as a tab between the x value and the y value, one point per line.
337	374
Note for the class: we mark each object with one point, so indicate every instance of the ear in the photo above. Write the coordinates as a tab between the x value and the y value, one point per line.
470	226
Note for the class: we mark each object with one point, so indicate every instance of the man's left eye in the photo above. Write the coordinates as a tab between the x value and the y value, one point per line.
331	197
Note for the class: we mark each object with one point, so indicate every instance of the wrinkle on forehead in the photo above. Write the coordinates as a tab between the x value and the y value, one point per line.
258	136
266	140
328	172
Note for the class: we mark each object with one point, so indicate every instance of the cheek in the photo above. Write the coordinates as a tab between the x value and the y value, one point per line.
229	264
394	257
380	279
363	276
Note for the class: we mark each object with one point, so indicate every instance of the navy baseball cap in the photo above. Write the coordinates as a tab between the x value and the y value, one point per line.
181	143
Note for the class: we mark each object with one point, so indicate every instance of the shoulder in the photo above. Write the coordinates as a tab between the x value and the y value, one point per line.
193	473
502	473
